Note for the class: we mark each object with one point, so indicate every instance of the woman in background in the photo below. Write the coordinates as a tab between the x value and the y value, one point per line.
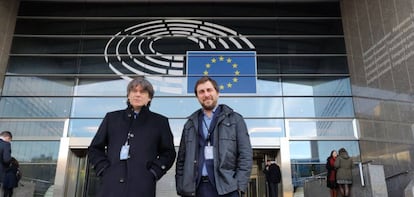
343	165
331	177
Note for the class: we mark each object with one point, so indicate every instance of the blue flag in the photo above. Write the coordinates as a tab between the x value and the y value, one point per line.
234	71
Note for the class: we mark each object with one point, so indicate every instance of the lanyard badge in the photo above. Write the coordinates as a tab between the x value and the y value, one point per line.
124	153
208	152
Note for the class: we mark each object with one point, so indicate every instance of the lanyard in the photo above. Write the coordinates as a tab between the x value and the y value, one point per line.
209	129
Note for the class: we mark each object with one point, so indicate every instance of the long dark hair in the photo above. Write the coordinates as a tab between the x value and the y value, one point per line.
14	162
331	155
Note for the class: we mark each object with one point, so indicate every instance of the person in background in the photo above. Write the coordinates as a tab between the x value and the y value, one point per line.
331	177
133	148
5	152
11	178
215	156
273	177
343	166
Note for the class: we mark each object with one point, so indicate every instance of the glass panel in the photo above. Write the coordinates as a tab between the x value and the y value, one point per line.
309	27
88	128
38	86
175	107
43	175
265	128
48	27
282	26
318	151
24	128
183	107
37	161
178	107
45	45
301	64
319	107
83	127
258	128
262	26
329	9
313	65
304	45
35	107
101	87
82	106
108	27
163	86
268	65
316	86
54	45
35	151
42	65
177	129
98	65
320	128
269	86
255	107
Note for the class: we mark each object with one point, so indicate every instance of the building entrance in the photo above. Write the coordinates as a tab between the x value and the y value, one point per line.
258	185
81	179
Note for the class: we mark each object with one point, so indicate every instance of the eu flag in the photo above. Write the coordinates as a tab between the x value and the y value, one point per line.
234	71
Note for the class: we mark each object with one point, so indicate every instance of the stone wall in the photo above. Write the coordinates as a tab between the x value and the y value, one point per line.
379	38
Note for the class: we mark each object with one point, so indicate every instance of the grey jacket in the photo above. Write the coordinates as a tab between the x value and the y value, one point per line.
343	165
233	154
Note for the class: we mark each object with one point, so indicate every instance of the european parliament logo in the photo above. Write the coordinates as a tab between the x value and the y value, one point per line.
234	71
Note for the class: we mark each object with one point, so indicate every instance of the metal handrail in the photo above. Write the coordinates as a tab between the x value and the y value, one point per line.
397	174
36	180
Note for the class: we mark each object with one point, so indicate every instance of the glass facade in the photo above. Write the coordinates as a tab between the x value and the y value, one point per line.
70	64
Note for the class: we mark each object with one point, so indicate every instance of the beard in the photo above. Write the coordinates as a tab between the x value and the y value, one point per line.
209	105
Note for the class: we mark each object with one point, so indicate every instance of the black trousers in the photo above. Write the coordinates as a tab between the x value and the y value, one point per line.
273	189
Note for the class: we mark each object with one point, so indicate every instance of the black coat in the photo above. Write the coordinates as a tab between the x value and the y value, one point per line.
273	174
5	157
151	152
11	178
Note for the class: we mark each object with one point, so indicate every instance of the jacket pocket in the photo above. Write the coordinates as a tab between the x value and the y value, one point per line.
228	146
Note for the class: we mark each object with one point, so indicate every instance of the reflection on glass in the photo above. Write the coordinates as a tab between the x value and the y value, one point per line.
265	128
42	65
34	107
83	127
255	106
246	106
36	151
316	86
319	107
96	107
45	45
314	64
269	86
42	174
38	86
320	128
318	151
101	87
163	86
23	128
